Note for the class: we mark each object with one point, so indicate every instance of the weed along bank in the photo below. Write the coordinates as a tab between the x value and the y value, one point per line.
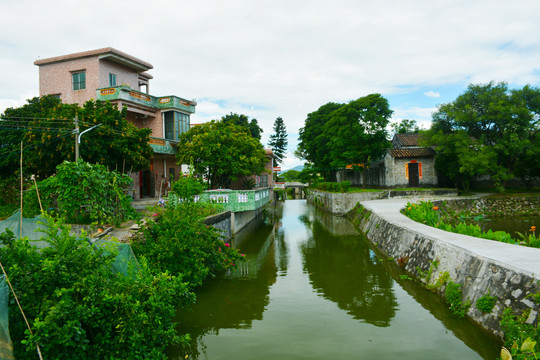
473	269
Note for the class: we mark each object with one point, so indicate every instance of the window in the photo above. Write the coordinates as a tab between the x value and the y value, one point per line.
112	79
175	124
168	118
79	80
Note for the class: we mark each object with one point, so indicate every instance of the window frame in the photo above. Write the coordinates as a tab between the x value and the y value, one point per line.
111	78
76	82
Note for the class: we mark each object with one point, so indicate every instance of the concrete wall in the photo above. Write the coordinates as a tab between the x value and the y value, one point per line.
342	203
222	222
241	219
415	249
230	223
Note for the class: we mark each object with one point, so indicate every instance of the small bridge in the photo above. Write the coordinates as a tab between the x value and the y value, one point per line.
297	186
286	185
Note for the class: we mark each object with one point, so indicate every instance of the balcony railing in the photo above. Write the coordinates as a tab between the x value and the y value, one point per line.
237	200
125	93
162	146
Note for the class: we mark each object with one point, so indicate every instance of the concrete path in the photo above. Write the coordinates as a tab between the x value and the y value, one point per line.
522	258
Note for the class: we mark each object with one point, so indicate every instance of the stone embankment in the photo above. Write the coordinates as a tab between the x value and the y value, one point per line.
508	272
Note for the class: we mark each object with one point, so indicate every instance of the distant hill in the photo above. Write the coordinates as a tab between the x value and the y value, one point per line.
297	168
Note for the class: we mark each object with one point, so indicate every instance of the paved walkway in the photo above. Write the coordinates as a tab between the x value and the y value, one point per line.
523	258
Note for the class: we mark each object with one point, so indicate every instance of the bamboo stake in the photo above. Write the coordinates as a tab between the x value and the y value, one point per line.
21	225
20	308
37	191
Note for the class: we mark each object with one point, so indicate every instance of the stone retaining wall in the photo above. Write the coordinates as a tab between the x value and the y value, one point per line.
511	206
416	252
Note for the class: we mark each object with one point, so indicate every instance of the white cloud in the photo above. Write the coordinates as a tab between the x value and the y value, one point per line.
284	58
432	94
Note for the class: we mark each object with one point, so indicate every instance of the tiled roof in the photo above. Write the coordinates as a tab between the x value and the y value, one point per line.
409	153
407	139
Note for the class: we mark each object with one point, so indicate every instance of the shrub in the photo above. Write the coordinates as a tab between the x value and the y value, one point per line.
187	187
79	309
178	242
519	336
84	193
345	186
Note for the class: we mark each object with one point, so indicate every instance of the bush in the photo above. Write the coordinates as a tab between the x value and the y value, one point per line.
79	309
178	242
84	193
345	186
187	187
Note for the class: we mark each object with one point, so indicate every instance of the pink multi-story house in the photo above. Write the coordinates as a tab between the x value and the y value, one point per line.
122	79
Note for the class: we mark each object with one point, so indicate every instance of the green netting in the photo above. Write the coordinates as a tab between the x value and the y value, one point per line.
6	347
125	262
31	228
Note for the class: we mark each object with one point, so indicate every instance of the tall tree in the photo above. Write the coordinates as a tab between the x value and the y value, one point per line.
337	135
222	151
314	140
278	140
242	120
45	126
499	125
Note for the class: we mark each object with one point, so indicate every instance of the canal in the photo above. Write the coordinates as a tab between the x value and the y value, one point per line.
313	288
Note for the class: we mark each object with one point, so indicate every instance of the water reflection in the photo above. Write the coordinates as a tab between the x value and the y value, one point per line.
344	270
312	288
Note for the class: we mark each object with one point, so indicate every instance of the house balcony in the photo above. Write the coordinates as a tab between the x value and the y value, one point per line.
163	146
142	103
237	200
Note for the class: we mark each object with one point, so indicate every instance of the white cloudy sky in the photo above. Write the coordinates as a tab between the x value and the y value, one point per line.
284	58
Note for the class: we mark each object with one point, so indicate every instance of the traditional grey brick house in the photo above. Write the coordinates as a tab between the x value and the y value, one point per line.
406	164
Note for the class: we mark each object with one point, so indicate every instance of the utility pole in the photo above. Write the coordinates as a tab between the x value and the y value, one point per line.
76	120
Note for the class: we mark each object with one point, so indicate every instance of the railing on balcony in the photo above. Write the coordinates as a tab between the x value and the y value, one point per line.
237	200
127	94
162	146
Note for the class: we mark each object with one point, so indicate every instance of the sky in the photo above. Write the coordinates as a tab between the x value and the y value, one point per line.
284	58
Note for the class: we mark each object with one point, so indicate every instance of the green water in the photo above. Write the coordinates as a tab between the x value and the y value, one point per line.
312	288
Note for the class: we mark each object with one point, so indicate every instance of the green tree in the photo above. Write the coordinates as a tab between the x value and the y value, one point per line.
222	151
497	132
337	135
405	126
278	140
242	120
291	175
359	131
314	139
45	126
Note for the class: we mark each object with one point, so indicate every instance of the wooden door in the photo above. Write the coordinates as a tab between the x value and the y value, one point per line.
413	175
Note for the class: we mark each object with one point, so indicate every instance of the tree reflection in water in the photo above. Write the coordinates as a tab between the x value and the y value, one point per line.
344	270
